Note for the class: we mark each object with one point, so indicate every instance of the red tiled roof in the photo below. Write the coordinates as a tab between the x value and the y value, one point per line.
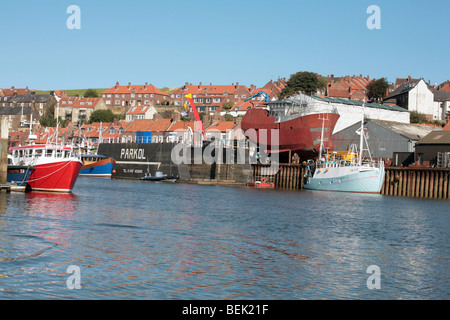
138	110
147	88
86	102
68	101
77	102
44	134
159	125
221	126
182	126
209	89
19	91
243	106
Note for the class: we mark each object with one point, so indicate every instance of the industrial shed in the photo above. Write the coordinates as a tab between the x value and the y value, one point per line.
427	148
384	138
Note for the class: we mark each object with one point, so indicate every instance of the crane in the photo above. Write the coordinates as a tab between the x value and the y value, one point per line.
266	96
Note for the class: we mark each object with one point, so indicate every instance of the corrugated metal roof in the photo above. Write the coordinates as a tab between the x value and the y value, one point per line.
410	131
436	137
360	103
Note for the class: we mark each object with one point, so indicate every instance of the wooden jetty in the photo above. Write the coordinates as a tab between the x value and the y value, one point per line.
5	187
431	183
417	182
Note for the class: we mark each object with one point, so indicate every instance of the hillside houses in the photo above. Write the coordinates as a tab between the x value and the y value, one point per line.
20	104
79	109
119	97
212	98
416	95
347	87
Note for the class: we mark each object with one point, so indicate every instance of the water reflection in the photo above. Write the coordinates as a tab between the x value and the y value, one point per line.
177	241
61	204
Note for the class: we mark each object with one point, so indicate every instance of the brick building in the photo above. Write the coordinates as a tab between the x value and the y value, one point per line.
350	88
120	98
211	98
79	109
20	107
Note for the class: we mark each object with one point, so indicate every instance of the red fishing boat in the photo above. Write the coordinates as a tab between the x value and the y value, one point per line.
295	124
54	167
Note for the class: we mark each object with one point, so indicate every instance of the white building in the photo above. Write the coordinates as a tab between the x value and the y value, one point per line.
417	96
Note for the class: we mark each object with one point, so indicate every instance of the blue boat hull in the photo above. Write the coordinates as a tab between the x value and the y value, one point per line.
360	182
102	168
18	176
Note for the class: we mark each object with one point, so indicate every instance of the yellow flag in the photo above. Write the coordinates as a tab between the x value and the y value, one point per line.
188	95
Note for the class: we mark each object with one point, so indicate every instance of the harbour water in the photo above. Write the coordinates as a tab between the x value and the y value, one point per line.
140	240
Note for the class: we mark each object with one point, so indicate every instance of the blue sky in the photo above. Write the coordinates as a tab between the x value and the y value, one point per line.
168	43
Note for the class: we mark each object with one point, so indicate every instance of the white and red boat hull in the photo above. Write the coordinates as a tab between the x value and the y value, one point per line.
55	177
54	167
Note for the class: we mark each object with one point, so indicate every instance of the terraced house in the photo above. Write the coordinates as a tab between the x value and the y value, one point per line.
212	98
20	107
120	98
79	109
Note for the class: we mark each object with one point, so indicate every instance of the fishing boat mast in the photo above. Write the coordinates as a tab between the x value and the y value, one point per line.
361	137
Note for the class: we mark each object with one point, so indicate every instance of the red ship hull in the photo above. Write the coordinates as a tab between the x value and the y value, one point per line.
301	135
56	177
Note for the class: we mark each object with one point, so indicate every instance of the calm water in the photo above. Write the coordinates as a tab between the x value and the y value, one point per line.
138	240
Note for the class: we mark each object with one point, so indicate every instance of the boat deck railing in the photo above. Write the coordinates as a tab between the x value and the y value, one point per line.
351	162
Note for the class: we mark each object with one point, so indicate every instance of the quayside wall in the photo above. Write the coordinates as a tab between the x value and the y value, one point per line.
432	183
417	182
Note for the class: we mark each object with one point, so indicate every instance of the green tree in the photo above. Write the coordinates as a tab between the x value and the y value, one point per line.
376	89
48	120
102	116
416	117
90	93
228	105
302	81
228	117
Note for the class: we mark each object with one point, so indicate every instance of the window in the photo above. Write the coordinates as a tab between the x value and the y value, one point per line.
117	102
48	152
117	95
152	95
109	95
